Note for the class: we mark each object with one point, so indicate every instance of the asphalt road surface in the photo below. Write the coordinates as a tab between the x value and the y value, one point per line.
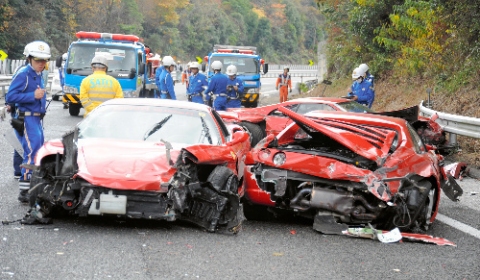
111	248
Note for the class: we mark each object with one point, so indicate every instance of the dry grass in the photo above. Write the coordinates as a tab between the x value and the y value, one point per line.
392	96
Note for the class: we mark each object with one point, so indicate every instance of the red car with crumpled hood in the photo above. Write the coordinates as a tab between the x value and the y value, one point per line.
146	159
346	169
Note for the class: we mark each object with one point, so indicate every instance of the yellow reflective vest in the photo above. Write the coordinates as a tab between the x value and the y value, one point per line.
98	88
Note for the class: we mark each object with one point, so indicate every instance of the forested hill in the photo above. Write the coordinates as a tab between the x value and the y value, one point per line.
283	30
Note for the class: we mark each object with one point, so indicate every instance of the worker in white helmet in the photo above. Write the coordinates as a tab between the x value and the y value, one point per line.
234	88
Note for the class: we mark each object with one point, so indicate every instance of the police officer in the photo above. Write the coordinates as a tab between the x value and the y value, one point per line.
27	91
98	87
167	90
196	85
364	69
234	88
158	73
361	90
218	87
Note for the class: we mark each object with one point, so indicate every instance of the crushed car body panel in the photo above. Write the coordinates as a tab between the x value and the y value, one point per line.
323	164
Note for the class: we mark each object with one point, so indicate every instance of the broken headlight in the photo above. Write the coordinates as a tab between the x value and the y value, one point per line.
279	159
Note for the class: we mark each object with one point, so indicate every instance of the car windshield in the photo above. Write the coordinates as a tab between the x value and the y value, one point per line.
118	59
150	123
355	107
245	65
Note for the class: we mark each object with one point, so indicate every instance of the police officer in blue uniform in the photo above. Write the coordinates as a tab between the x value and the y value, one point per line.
158	73
167	90
27	91
218	87
197	82
361	90
234	88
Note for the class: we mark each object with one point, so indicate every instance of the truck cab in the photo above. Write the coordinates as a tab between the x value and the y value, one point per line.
126	62
249	66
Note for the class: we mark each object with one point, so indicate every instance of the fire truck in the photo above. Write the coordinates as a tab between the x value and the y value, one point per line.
126	62
249	66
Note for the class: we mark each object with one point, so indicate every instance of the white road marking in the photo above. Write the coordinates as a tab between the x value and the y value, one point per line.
458	225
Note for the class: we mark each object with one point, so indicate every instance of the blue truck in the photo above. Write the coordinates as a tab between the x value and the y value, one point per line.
249	66
126	62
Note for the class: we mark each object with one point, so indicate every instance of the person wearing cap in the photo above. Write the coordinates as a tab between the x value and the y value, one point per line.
217	86
196	84
234	88
361	89
166	85
98	87
284	81
27	92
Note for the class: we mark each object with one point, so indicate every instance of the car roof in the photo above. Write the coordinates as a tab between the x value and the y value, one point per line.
318	100
158	103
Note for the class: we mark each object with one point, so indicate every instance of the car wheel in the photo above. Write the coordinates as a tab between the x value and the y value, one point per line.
221	179
74	109
38	183
256	133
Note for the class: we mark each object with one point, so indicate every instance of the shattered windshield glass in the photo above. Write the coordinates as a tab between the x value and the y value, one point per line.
150	123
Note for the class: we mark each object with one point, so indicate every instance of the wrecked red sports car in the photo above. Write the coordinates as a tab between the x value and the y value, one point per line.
346	169
264	120
146	159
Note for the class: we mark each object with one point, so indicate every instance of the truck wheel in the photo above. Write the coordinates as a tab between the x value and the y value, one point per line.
256	133
74	109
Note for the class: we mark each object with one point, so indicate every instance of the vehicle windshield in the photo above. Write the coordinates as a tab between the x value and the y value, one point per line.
245	65
120	60
150	123
355	107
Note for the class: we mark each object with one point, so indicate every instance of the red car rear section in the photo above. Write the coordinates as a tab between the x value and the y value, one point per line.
346	169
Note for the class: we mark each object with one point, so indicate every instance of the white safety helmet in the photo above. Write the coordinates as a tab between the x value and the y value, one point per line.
189	65
64	56
356	74
38	49
168	61
363	68
217	65
99	61
194	64
231	70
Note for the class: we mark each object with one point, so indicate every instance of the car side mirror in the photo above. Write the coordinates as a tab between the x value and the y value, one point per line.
58	62
239	136
141	70
265	68
69	70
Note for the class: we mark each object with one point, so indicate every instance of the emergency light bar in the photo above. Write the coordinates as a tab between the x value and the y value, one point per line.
235	49
106	36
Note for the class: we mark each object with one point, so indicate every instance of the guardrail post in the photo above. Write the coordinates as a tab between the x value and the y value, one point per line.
429	103
452	138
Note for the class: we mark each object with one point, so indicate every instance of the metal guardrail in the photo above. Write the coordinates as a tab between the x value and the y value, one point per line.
454	124
5	83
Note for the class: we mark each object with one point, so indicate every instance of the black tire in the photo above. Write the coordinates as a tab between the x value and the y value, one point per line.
74	109
256	133
220	179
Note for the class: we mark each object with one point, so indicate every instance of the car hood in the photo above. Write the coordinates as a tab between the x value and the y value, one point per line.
367	139
126	165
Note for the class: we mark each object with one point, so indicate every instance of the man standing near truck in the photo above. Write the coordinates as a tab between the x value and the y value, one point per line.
98	87
196	85
284	81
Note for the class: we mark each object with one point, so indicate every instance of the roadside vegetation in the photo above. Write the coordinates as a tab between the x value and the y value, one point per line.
283	31
410	46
